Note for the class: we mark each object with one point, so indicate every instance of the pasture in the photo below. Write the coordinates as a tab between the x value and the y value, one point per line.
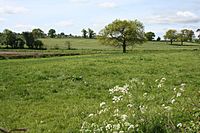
58	94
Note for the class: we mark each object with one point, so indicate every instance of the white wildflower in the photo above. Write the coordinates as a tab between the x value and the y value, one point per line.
175	89
127	124
145	94
179	125
131	127
90	115
108	127
163	80
159	85
116	99
130	105
173	100
178	94
124	117
121	131
116	126
168	108
156	80
102	104
142	109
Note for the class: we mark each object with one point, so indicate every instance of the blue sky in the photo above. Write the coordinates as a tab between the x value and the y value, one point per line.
70	16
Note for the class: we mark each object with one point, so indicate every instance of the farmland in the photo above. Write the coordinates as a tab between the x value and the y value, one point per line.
57	94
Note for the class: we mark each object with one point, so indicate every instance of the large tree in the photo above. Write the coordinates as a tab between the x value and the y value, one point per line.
171	35
38	33
91	33
84	32
150	36
123	33
52	33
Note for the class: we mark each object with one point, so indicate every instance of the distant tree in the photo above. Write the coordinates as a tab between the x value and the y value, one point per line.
9	38
29	39
62	34
52	33
150	36
185	35
91	33
171	35
84	32
158	39
38	33
123	33
198	30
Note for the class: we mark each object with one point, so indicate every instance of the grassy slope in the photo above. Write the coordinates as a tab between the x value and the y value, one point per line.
56	94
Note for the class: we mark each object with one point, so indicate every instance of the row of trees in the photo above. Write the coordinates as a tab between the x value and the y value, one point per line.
185	35
19	40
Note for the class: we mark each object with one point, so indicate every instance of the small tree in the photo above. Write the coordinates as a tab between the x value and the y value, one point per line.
123	33
52	33
171	34
158	39
150	36
84	32
91	33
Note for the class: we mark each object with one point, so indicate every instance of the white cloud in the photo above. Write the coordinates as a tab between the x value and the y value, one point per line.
24	27
108	5
178	17
12	10
79	1
65	23
2	20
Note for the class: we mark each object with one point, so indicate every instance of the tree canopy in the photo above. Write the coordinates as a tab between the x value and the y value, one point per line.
171	35
123	33
150	36
52	33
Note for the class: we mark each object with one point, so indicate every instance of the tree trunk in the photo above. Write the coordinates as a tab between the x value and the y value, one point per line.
124	46
171	41
181	42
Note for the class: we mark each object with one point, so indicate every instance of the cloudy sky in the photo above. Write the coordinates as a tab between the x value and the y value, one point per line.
70	16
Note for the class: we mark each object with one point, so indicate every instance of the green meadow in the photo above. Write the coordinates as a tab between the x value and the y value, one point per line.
57	94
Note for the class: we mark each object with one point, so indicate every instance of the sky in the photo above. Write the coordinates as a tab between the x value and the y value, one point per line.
71	16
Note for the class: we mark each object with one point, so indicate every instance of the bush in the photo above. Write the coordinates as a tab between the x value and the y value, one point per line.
38	44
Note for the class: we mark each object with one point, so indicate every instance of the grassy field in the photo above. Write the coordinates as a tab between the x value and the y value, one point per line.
58	94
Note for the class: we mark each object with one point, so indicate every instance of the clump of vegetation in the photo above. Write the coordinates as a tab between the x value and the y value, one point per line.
130	112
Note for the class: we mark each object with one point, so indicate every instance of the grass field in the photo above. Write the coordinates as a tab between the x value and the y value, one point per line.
58	94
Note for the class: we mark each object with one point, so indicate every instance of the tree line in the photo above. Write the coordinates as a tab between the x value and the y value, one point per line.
185	35
18	40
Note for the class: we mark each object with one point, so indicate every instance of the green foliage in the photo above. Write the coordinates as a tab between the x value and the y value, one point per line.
123	33
171	35
9	38
29	38
150	36
38	44
84	32
38	33
91	33
52	33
